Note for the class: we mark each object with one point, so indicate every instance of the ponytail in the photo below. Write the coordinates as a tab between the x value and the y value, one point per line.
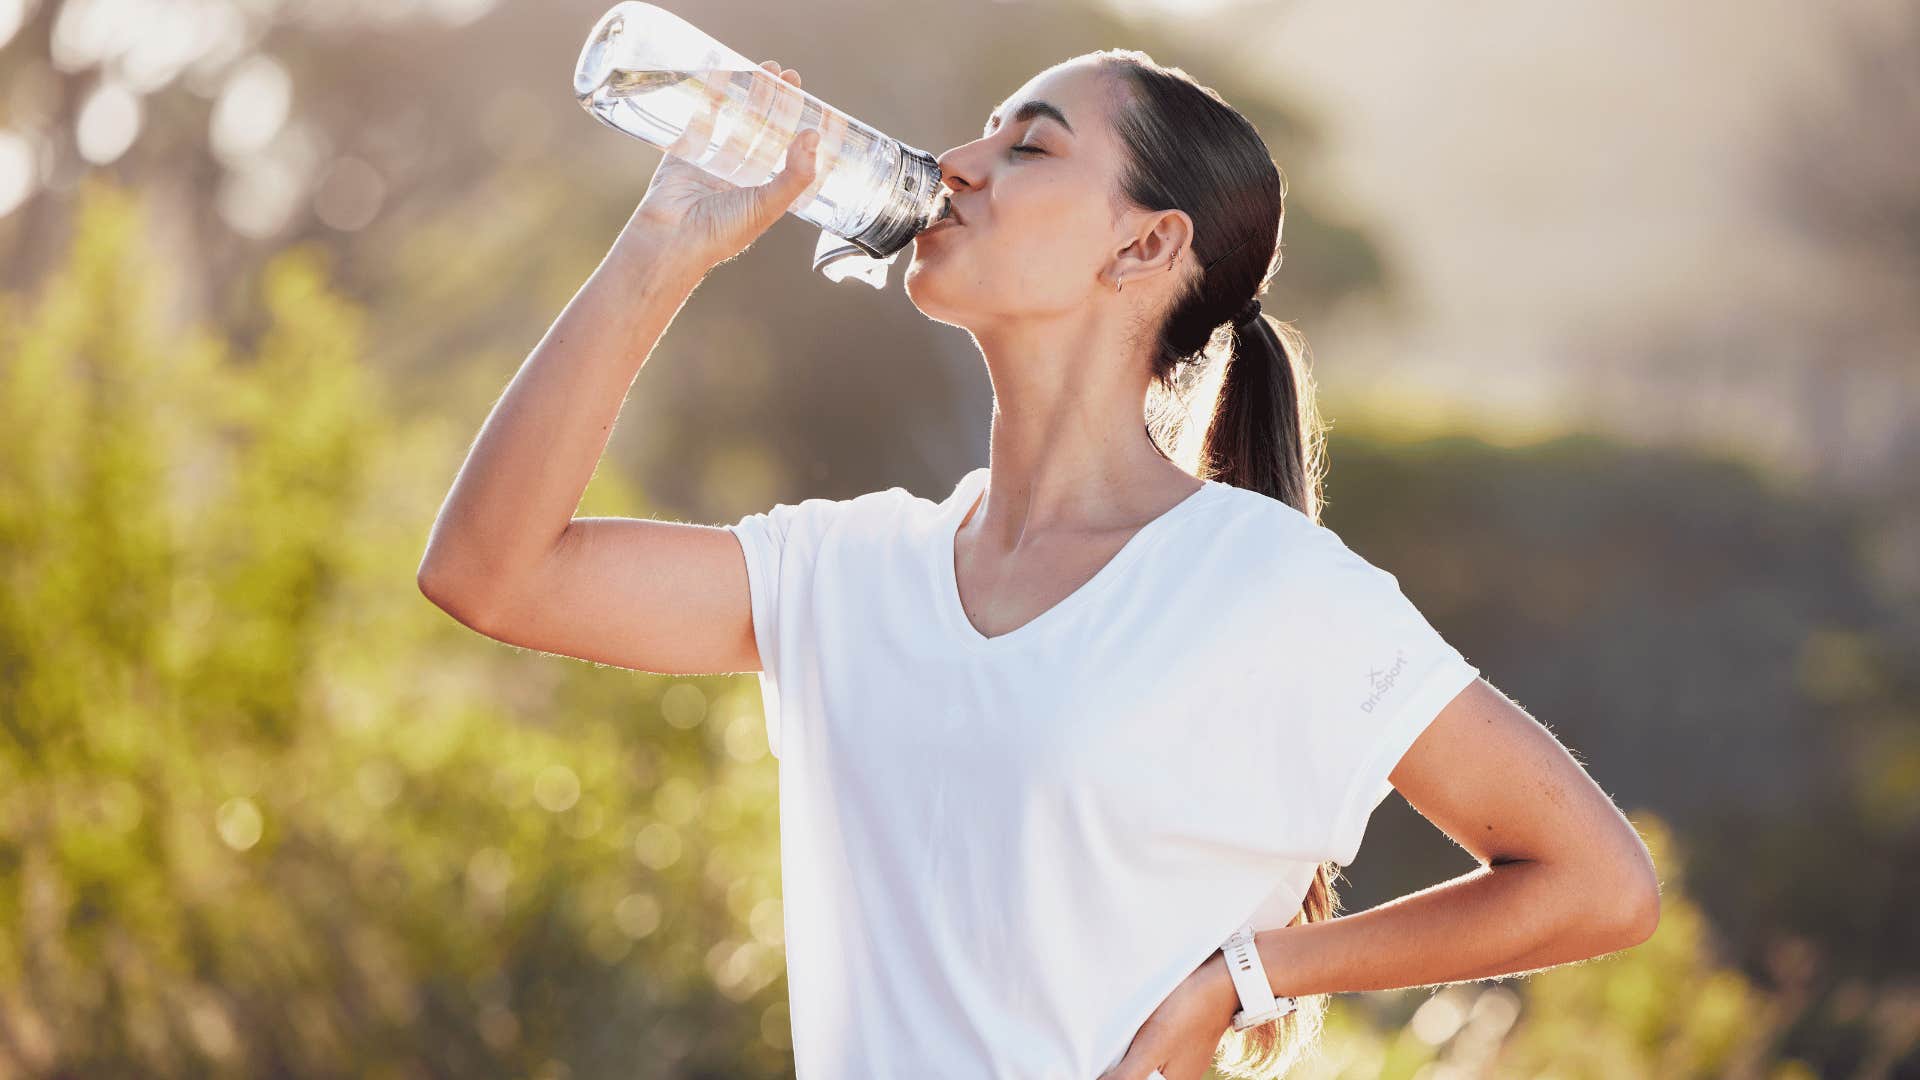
1266	434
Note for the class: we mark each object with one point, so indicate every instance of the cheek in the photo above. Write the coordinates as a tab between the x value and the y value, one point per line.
1050	263
1056	242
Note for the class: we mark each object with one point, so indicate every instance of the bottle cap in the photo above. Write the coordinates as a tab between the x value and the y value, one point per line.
865	256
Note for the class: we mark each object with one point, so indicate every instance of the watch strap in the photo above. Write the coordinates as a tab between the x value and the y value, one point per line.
1257	1001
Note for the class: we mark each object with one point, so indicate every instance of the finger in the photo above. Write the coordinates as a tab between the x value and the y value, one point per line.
803	158
698	133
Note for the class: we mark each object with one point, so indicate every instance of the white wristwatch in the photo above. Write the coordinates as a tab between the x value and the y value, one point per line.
1257	1001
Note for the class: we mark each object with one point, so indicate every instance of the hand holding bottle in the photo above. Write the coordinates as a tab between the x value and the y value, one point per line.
709	220
648	73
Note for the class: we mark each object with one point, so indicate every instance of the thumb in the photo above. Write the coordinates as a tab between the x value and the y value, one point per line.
777	195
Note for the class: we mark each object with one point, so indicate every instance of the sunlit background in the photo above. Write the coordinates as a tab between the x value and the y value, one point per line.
1614	309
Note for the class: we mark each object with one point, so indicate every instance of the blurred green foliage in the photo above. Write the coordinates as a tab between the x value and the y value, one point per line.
265	810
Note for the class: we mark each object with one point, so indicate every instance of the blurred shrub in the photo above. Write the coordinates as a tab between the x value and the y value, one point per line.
263	809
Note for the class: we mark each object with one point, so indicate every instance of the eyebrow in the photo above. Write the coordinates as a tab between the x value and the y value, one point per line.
1027	112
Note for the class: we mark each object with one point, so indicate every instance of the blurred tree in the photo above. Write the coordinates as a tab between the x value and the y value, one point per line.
263	810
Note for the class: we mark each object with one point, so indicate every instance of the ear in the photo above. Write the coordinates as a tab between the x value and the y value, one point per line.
1155	242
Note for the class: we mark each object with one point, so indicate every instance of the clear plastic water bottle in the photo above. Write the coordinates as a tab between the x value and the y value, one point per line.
649	73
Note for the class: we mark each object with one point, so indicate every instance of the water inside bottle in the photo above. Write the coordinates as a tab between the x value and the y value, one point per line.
649	73
754	115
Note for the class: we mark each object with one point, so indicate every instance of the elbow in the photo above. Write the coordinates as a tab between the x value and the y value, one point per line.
446	594
474	585
432	581
1636	914
1640	920
1611	902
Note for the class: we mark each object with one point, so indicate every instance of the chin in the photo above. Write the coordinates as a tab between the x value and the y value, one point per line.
924	293
944	290
918	283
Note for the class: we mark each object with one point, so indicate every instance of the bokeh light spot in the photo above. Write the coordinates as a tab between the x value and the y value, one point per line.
637	914
349	195
684	705
252	108
239	823
657	846
108	123
557	788
16	170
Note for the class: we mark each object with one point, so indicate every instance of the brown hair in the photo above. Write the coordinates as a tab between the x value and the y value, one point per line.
1185	148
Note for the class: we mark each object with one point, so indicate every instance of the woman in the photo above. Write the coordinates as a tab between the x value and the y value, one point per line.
1046	743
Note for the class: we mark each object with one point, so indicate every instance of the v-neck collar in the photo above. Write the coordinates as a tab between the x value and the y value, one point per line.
953	612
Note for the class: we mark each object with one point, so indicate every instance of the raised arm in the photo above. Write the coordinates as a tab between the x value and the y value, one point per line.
506	556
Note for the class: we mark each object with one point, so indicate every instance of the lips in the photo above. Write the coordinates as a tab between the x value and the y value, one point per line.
942	224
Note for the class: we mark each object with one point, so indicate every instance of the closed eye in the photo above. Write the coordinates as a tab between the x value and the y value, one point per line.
1025	149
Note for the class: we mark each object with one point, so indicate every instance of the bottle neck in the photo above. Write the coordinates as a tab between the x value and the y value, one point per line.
913	197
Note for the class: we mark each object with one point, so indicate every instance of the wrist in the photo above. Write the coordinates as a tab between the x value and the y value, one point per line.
1249	974
656	255
1222	997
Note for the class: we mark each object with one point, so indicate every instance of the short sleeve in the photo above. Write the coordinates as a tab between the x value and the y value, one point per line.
782	546
1373	673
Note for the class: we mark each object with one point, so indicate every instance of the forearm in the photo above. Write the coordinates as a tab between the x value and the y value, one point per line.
525	473
1496	920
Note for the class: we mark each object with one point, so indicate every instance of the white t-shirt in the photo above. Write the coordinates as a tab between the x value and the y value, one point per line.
1000	855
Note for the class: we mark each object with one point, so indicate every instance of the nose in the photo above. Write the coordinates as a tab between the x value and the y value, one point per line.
954	180
953	171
